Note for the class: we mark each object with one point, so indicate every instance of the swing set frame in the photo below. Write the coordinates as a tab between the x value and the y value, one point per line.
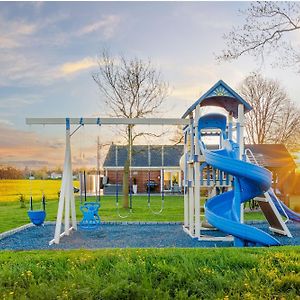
66	205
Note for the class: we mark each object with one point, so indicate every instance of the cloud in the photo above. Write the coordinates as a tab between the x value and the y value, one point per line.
26	70
22	148
107	25
5	122
14	33
22	43
77	66
14	102
19	147
187	92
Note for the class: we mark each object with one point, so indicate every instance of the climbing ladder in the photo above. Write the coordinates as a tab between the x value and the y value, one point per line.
267	206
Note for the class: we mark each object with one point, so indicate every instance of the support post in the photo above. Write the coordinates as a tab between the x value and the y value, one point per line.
185	182
197	174
230	126
240	141
191	179
66	194
240	129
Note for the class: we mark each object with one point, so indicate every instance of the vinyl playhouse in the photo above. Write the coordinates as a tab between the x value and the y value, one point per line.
229	171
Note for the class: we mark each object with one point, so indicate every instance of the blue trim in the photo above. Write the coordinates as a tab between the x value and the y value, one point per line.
229	93
68	123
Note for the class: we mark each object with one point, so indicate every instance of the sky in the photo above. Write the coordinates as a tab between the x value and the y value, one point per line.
48	52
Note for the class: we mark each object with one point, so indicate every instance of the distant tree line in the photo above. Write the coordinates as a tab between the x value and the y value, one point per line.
10	172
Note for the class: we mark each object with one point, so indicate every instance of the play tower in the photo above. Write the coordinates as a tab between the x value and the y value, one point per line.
224	169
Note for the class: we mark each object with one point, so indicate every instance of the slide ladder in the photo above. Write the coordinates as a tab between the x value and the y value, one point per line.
268	205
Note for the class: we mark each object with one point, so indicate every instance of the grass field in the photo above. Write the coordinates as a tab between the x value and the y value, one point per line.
259	273
11	215
10	190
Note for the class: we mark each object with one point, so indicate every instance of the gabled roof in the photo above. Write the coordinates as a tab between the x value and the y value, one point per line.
172	155
222	95
272	155
267	155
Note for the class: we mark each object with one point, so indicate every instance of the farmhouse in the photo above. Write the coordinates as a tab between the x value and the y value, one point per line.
164	167
165	161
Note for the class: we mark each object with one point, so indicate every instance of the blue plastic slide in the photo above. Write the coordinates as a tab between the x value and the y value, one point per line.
223	211
281	206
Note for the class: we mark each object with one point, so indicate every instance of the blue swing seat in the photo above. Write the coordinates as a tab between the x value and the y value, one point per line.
91	219
37	217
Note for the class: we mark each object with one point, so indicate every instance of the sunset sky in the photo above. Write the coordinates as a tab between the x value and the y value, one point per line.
48	52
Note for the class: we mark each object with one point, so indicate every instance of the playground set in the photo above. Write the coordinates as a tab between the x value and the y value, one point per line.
229	172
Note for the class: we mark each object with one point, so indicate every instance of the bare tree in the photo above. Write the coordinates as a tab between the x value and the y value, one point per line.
133	88
274	118
267	30
178	137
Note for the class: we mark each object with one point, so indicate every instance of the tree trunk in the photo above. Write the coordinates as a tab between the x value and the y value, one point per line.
126	184
127	166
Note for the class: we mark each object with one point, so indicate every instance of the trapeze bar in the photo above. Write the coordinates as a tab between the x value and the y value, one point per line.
108	121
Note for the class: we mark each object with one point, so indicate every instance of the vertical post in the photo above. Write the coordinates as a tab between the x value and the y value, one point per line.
149	174
63	186
97	184
67	201
130	169
230	126
197	174
161	181
240	141
117	177
241	122
191	179
185	181
163	171
71	195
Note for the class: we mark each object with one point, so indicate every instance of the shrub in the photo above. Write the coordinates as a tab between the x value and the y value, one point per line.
22	201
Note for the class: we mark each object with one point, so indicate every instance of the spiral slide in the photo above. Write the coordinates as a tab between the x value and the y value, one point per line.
282	208
223	211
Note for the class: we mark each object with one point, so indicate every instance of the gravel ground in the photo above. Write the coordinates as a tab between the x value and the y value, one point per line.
126	235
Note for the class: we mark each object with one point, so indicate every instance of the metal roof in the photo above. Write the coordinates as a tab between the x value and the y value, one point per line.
172	155
268	155
272	155
222	95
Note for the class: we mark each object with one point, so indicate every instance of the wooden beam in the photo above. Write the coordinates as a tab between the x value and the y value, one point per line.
107	121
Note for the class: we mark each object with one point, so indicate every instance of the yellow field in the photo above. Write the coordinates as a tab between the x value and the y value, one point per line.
10	190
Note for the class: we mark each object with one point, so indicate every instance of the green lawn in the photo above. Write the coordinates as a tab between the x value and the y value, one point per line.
255	273
12	216
258	273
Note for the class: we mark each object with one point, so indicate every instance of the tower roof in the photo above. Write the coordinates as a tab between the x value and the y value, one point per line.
221	95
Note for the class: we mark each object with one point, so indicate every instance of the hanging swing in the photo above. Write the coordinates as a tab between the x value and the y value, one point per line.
162	182
117	186
37	217
90	209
